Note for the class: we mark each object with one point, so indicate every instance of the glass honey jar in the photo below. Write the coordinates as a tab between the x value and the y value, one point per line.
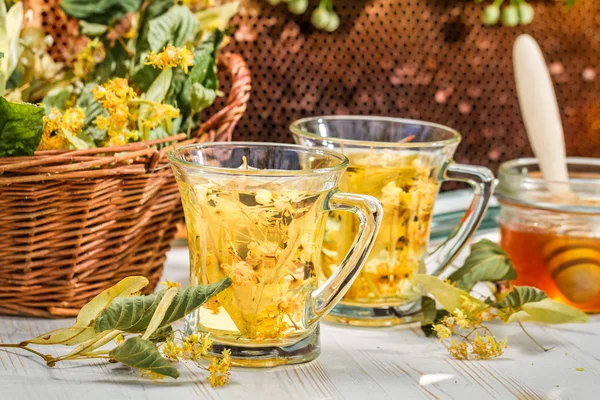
553	240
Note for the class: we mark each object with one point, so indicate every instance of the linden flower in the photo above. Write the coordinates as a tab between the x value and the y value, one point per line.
263	197
487	347
461	319
213	305
241	273
171	56
87	59
114	96
443	332
171	350
55	125
72	120
151	374
460	351
219	369
205	345
170	284
287	301
159	113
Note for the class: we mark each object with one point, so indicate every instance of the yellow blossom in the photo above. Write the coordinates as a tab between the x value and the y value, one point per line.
72	120
460	351
158	113
55	125
87	59
487	347
443	332
241	273
171	56
287	301
461	319
114	96
171	350
170	284
205	345
213	305
151	374
119	339
219	369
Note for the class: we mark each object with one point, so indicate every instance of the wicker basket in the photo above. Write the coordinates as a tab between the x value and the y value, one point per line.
73	223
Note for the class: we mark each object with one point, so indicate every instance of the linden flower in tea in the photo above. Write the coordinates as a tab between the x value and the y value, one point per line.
264	240
406	185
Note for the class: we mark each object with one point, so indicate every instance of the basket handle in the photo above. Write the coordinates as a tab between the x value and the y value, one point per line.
219	127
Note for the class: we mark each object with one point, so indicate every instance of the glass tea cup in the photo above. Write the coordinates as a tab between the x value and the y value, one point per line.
551	230
257	213
402	163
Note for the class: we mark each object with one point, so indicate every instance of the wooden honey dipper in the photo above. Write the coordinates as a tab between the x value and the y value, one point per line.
574	264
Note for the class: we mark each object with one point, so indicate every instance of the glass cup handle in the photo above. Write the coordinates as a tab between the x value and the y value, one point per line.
369	212
482	181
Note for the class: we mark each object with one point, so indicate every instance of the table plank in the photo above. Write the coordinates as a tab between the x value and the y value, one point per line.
356	363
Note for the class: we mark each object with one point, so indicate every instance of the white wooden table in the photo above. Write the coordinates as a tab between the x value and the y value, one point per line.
384	363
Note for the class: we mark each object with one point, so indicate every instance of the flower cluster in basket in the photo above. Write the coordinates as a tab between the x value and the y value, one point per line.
139	70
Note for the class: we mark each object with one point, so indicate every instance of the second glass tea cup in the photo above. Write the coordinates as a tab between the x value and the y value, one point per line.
402	163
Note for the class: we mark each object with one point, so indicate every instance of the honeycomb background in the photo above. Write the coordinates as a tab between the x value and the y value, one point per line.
421	59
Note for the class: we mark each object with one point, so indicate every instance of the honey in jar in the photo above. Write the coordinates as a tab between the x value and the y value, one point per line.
553	241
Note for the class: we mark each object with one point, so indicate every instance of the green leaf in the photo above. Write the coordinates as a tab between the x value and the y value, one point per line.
177	26
428	328
152	10
81	331
549	311
57	97
160	312
92	109
133	314
143	76
217	17
204	56
125	287
79	143
21	127
136	352
161	335
521	295
156	93
91	30
160	86
448	296
429	310
486	262
102	12
116	63
11	22
201	97
95	342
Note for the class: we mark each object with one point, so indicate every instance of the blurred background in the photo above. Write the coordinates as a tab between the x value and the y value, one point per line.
424	59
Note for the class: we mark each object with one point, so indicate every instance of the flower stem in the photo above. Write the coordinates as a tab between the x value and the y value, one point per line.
531	337
24	347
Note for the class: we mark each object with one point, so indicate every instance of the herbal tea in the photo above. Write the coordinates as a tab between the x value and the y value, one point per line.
566	267
268	242
406	186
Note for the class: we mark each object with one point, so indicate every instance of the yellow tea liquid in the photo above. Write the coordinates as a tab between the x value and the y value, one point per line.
407	186
269	243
